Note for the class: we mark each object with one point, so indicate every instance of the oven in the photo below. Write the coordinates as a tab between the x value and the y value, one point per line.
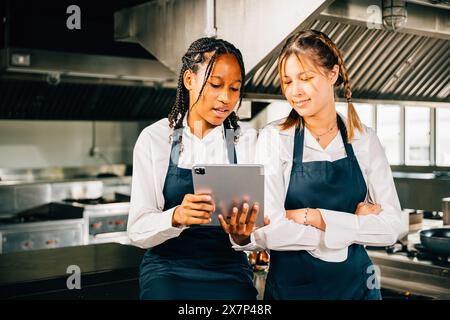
106	223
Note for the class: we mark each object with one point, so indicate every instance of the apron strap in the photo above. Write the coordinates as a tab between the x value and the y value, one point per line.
230	137
299	139
176	147
343	130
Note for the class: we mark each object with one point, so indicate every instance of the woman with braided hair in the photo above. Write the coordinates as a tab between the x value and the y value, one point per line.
186	258
320	169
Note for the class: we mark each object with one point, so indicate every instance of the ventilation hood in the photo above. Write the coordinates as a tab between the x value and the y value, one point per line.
55	53
49	85
54	66
52	73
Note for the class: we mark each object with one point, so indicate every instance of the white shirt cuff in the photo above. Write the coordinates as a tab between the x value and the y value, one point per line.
327	254
252	246
341	228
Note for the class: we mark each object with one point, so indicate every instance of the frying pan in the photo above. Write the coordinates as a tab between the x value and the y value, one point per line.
436	241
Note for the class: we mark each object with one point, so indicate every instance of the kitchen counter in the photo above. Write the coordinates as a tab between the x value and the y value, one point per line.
108	271
421	176
111	270
411	275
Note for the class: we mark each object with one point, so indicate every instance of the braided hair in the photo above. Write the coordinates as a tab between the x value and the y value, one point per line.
195	56
324	53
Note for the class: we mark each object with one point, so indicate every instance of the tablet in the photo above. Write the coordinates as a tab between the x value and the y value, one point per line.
231	185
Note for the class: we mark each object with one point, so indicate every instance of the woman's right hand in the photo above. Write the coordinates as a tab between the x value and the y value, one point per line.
195	209
365	208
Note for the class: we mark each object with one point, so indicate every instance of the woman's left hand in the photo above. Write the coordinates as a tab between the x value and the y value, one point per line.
313	218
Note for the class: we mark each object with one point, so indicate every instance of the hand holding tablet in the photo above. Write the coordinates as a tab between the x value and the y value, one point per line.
231	186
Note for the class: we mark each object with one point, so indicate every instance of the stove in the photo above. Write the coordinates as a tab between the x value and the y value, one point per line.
408	269
105	220
417	252
420	253
69	222
52	225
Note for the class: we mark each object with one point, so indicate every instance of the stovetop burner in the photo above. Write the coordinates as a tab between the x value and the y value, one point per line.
26	218
422	254
47	212
419	252
118	198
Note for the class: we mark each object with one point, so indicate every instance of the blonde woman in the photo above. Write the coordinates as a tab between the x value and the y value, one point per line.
320	170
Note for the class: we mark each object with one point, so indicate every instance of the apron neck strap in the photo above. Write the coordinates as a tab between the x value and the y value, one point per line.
299	139
177	146
230	137
343	130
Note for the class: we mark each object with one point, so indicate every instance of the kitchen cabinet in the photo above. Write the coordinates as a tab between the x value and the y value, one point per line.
108	271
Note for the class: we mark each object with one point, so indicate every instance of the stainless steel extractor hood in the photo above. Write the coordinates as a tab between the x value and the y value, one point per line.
166	28
52	73
49	85
56	66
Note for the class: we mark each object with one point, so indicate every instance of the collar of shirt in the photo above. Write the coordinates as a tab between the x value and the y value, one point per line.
291	130
210	137
312	150
312	143
210	149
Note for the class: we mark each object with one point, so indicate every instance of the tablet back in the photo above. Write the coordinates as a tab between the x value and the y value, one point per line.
231	185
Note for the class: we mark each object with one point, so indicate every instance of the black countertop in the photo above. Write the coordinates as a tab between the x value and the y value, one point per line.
107	271
421	175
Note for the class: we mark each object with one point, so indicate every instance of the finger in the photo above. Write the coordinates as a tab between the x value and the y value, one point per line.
214	205
198	214
252	220
201	206
289	214
224	224
233	220
200	198
266	220
378	210
194	220
360	204
243	216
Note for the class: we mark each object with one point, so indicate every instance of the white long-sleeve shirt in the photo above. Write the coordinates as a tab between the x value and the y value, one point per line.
275	150
148	224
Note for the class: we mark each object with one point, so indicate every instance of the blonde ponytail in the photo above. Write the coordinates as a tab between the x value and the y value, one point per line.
353	121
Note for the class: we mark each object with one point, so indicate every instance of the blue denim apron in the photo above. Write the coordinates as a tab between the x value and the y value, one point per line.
337	185
200	263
